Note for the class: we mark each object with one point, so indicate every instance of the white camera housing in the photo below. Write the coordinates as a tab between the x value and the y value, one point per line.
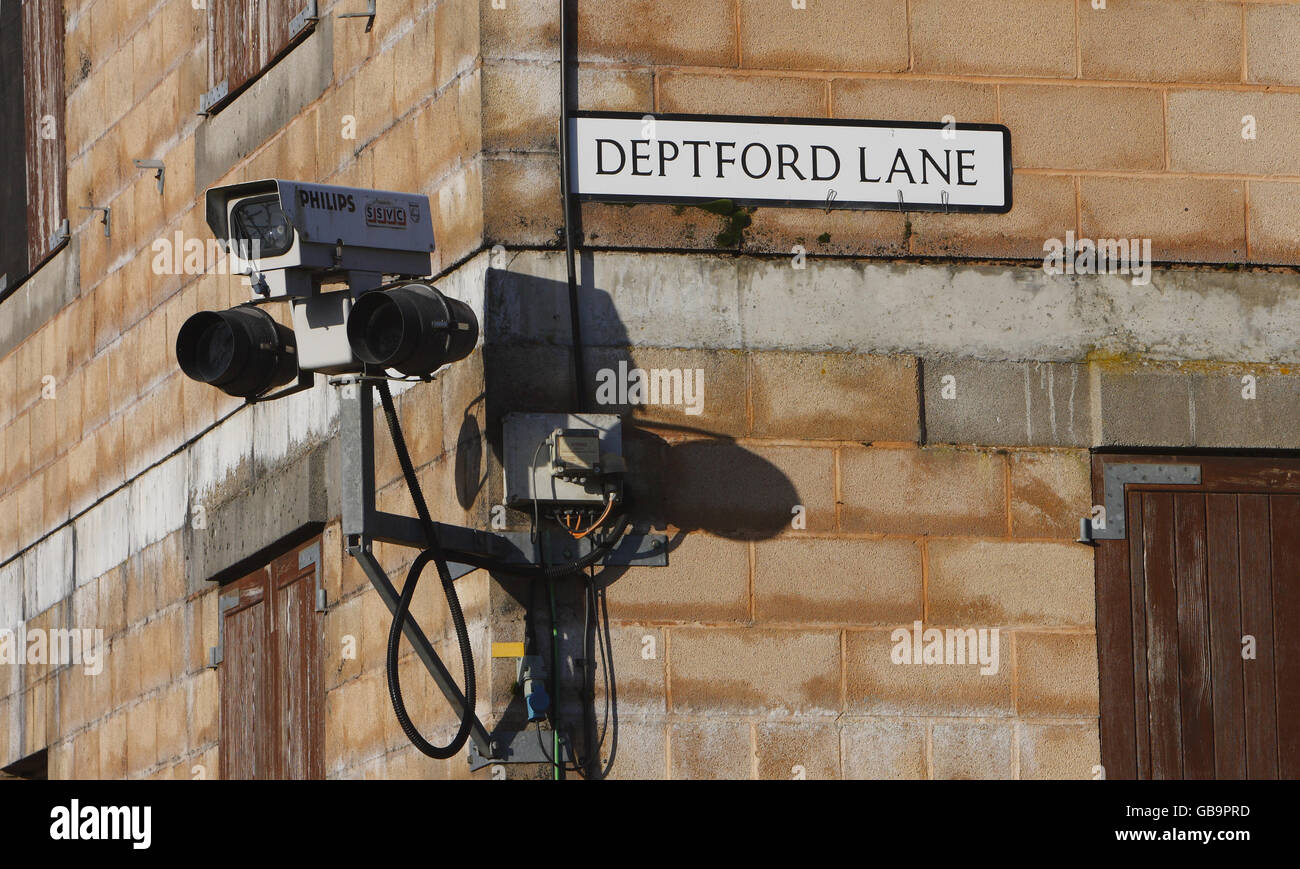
292	237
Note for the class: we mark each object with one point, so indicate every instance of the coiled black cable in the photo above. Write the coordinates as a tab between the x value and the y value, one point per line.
432	553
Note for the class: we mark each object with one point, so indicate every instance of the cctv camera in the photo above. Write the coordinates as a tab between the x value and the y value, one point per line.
294	236
293	239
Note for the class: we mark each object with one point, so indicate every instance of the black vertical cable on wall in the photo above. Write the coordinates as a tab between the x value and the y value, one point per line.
568	98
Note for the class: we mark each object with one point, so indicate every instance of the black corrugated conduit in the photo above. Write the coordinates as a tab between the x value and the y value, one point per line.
432	553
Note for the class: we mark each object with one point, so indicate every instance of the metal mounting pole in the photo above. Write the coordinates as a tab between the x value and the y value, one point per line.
357	478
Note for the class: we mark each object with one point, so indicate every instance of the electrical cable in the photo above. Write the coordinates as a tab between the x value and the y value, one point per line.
567	103
534	572
587	764
532	470
598	551
609	505
555	668
432	553
588	683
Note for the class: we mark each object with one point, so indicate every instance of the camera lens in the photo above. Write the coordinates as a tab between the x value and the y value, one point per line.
243	351
260	228
412	328
214	350
384	331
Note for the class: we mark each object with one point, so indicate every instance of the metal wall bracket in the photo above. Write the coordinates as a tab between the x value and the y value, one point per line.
1120	474
645	549
217	653
153	164
306	558
61	234
107	219
306	380
363	524
521	746
309	15
369	14
212	97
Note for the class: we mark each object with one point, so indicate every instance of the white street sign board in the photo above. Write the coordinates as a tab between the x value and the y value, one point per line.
797	162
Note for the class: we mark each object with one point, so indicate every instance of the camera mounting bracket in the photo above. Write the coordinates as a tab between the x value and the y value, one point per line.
364	525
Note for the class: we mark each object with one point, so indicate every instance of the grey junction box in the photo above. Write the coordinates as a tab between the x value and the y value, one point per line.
527	457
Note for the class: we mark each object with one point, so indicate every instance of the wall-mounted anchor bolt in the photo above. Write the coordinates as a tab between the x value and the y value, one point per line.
60	234
107	219
369	14
153	164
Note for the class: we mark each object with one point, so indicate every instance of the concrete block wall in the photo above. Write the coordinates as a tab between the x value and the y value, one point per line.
824	385
92	397
106	450
827	388
133	566
765	630
1125	121
811	514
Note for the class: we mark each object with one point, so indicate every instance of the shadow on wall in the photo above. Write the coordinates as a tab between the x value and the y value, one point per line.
470	475
682	478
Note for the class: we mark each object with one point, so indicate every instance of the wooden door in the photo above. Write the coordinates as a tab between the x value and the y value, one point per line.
247	681
300	697
32	159
43	92
1198	623
272	692
245	37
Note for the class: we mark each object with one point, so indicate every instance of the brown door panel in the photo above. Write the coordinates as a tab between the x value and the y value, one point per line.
1285	529
272	678
1223	594
1204	570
